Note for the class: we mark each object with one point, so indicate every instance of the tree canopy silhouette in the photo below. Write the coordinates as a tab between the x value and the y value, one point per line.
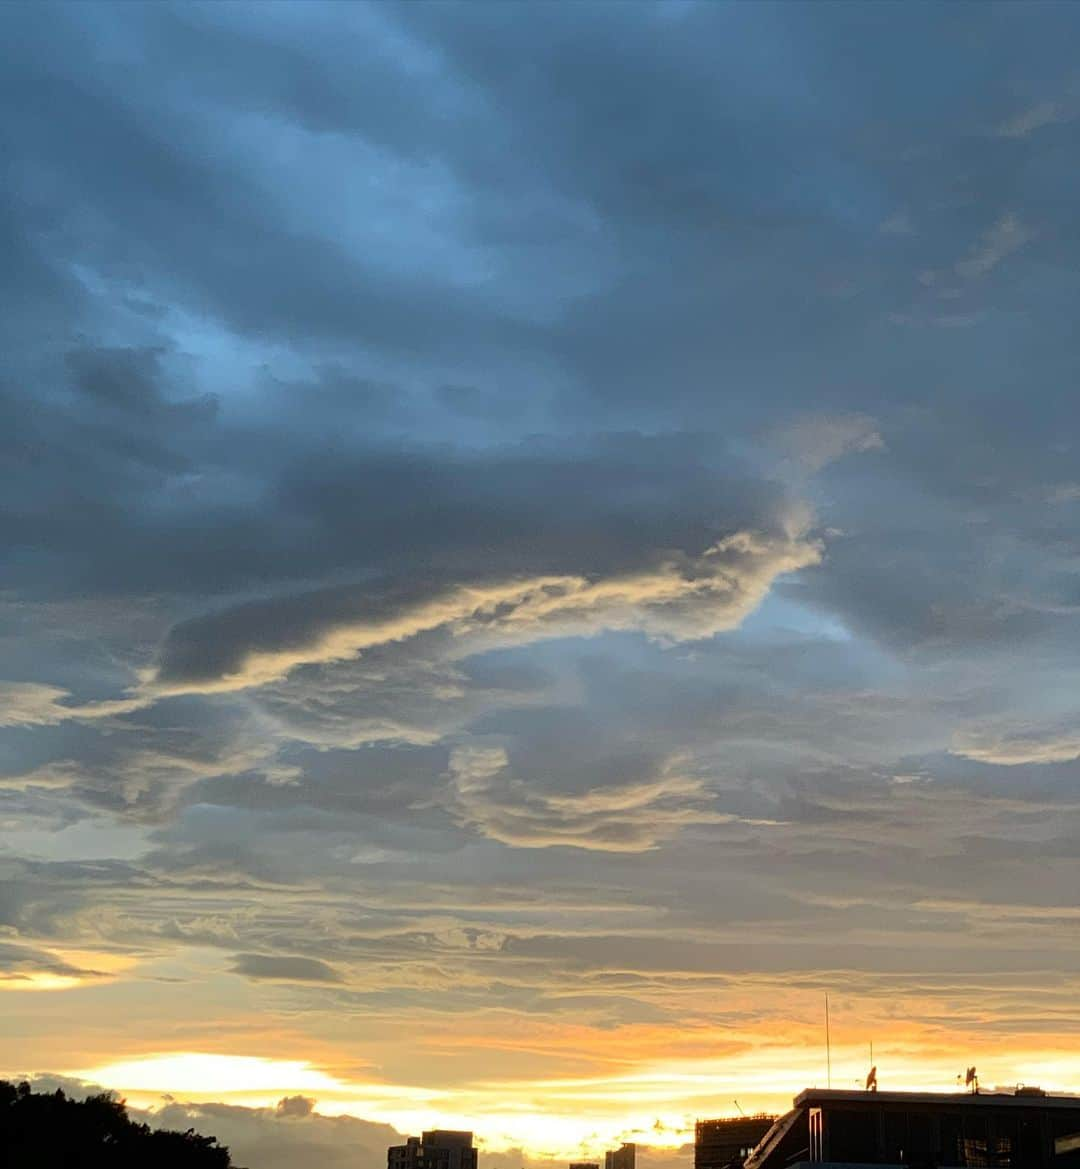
40	1130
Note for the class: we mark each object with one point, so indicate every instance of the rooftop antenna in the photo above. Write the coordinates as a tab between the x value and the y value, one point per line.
871	1079
828	1043
739	1107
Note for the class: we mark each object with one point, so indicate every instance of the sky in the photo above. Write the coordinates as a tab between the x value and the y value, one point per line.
536	542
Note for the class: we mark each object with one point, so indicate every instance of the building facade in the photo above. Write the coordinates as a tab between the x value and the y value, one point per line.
725	1144
1025	1129
437	1149
624	1157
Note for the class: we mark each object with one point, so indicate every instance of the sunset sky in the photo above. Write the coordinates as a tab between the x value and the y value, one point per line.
536	541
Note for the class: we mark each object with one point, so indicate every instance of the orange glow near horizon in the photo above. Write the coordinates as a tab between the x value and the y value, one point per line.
557	1118
38	980
556	1087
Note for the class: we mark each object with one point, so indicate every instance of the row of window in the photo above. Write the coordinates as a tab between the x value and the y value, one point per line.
983	1140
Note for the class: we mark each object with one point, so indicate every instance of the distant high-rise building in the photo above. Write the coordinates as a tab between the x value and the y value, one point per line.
624	1157
721	1144
437	1149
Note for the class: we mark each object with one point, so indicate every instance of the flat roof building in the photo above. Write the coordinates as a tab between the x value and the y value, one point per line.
624	1157
725	1143
1024	1129
436	1149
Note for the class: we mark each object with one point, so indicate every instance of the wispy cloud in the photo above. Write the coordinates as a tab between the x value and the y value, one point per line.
628	817
1027	121
1010	748
1007	235
816	440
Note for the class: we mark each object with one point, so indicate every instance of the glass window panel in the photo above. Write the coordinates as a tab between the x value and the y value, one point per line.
852	1135
920	1146
950	1150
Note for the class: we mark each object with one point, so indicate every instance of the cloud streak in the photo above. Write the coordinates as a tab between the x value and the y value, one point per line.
682	598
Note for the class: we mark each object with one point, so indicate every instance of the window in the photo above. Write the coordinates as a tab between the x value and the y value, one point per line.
976	1142
1005	1141
949	1141
816	1144
852	1135
896	1136
920	1146
907	1137
1065	1129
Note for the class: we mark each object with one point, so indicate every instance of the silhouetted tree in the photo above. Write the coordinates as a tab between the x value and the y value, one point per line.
50	1131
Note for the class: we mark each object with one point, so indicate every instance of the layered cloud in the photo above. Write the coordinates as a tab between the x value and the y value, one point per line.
1011	748
624	817
532	547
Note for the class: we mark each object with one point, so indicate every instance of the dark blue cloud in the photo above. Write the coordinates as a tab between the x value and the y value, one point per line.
338	333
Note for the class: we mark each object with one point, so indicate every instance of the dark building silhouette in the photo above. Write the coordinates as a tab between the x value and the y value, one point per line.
624	1157
437	1149
584	1165
1025	1129
720	1144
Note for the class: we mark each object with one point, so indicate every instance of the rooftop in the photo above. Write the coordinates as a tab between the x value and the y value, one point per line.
1017	1098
